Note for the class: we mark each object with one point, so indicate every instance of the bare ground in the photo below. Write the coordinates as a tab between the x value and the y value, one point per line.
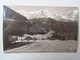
43	46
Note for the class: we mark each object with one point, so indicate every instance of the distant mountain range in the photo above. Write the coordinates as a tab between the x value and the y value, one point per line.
70	16
41	22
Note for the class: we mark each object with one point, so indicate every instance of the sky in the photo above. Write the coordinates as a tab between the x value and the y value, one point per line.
52	9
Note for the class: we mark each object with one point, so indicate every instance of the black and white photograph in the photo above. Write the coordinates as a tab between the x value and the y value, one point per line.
40	29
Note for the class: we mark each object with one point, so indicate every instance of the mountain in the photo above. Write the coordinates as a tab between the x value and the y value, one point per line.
36	14
70	16
40	14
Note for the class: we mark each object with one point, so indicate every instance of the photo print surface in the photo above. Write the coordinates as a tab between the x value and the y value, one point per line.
30	29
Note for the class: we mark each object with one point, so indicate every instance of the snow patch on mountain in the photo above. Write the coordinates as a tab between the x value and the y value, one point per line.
70	16
41	14
36	14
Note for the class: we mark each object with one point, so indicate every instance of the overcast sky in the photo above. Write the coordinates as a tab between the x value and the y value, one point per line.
52	9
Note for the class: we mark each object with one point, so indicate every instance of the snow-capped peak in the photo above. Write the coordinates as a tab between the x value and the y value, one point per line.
75	11
40	14
36	14
70	16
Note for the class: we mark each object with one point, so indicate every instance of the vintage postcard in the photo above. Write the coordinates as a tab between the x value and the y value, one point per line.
30	29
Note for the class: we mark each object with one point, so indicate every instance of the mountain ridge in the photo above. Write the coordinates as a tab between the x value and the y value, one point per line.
70	16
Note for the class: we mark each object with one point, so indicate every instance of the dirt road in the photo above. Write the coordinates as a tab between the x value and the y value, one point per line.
46	46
